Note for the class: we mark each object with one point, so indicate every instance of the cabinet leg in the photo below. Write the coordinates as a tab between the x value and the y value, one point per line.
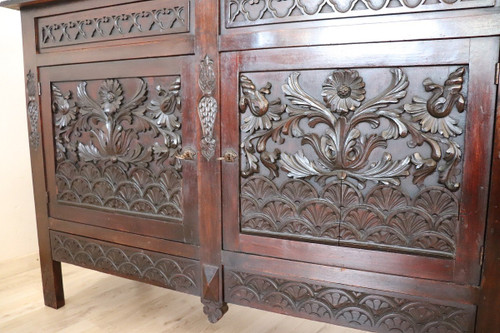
214	310
53	293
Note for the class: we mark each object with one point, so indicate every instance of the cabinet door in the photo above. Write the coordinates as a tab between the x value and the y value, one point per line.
369	156
119	146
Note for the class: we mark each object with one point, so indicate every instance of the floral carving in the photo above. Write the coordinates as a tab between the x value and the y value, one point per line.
343	151
343	90
323	196
102	159
342	305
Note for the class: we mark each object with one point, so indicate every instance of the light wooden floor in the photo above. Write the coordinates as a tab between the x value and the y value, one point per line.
97	302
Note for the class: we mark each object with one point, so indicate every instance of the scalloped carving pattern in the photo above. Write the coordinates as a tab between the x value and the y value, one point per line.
347	307
91	26
384	218
160	269
136	190
251	12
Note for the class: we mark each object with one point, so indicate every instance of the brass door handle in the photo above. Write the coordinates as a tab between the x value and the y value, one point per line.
228	156
187	154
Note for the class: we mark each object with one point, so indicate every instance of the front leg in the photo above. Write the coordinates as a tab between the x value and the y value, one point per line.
213	305
214	310
53	293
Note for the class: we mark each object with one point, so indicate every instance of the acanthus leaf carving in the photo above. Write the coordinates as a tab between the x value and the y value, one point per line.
214	310
342	150
102	158
336	154
434	114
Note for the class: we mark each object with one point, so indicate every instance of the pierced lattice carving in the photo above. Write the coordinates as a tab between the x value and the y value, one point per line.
251	12
90	26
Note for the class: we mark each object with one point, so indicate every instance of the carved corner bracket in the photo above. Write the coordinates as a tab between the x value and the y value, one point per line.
207	107
33	110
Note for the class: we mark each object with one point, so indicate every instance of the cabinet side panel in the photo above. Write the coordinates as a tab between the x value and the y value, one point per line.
51	270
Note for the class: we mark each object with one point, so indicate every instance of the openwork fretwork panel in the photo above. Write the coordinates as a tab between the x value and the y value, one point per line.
239	13
115	22
360	157
116	142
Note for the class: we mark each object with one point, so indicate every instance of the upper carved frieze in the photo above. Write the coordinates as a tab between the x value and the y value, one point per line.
89	26
251	12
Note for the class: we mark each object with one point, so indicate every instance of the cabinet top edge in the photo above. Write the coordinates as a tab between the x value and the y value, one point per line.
18	4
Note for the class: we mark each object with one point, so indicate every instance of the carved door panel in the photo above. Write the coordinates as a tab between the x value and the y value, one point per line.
361	156
119	144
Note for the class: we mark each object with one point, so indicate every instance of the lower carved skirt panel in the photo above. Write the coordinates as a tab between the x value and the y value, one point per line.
347	306
160	269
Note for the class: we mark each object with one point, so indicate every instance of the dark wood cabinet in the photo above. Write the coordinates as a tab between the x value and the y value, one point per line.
333	160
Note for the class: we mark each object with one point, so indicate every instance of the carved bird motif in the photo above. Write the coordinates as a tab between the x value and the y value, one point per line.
446	97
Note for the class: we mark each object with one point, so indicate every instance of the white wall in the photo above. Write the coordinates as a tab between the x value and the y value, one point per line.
17	211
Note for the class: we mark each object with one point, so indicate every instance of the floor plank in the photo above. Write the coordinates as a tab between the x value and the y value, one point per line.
96	302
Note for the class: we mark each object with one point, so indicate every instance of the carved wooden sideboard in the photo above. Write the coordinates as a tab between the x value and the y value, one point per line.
332	160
